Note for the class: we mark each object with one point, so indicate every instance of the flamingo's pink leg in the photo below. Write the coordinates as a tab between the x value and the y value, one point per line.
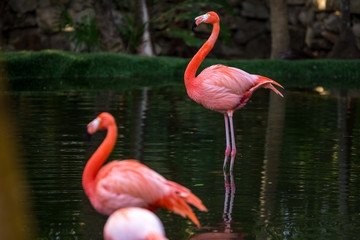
233	146
227	150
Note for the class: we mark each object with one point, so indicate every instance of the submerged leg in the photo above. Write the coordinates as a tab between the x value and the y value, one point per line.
233	146
227	150
228	204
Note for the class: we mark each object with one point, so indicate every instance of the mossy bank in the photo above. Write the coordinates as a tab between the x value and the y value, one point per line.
57	69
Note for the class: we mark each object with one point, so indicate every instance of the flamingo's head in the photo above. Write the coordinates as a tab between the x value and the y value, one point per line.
210	17
101	122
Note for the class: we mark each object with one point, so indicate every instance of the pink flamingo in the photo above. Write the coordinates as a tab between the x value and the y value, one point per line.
128	183
133	224
221	88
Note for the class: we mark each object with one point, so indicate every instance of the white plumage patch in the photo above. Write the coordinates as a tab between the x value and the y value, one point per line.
133	223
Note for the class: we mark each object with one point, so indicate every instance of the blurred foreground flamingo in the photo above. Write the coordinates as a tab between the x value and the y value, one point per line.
221	88
128	183
133	224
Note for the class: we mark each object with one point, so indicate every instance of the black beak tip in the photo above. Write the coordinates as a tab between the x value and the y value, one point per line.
194	26
88	136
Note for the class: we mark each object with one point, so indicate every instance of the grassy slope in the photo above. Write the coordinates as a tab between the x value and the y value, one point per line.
58	69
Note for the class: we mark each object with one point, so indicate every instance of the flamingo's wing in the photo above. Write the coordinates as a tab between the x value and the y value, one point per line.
220	88
223	88
232	80
128	183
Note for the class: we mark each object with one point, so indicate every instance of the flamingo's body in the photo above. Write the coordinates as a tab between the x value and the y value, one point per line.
128	183
221	88
133	224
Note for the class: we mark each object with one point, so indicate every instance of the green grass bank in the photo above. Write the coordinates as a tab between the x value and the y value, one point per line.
57	70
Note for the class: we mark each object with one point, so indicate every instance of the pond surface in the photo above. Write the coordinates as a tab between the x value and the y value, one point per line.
296	172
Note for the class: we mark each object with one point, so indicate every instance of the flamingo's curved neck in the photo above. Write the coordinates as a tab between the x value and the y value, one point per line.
195	62
97	159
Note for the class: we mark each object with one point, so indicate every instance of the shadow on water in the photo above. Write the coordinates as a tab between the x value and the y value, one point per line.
297	169
273	147
346	109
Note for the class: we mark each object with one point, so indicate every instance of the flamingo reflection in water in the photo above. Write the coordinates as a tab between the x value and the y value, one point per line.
226	232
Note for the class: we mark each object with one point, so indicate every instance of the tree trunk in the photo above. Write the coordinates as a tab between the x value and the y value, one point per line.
145	47
110	36
345	47
280	39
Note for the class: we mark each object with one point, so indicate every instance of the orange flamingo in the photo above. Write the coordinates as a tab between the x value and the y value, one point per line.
134	224
128	183
221	88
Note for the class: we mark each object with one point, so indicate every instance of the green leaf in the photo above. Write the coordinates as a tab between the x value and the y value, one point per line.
186	36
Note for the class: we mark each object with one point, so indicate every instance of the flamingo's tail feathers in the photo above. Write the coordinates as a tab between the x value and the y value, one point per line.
176	204
273	88
178	201
267	83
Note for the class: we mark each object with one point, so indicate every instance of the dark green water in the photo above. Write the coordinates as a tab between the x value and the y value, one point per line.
296	173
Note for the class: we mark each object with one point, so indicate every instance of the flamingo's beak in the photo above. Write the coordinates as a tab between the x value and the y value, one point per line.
194	25
93	125
199	20
88	136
